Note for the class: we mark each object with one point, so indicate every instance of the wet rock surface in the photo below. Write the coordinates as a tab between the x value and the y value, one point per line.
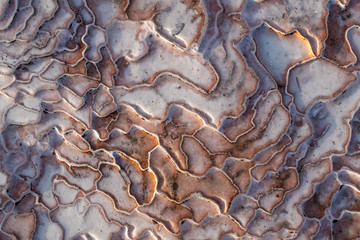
165	119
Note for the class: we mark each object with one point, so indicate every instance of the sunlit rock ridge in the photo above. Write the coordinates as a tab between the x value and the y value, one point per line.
179	119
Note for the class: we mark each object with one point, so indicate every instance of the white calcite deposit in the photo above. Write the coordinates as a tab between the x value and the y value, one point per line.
169	119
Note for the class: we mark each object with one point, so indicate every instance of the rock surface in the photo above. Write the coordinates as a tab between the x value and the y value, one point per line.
166	119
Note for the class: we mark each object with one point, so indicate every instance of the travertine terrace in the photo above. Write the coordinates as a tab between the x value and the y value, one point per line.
179	119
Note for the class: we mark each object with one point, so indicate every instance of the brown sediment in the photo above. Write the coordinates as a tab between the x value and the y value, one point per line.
180	122
142	183
201	207
339	20
214	227
198	159
179	185
347	198
309	228
346	227
137	143
113	183
166	211
322	199
20	226
76	140
324	231
239	171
